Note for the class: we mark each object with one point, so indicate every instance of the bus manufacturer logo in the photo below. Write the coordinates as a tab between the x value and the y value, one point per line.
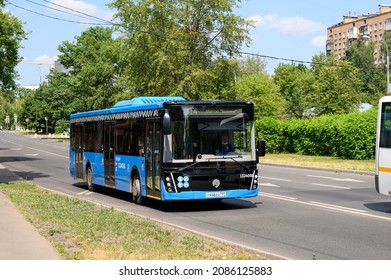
216	183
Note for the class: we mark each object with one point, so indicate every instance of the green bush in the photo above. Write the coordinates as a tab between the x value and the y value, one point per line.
350	136
270	130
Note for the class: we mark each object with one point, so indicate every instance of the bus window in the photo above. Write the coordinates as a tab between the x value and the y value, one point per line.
122	135
385	128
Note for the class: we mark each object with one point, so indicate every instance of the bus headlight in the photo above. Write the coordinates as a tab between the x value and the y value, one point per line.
169	186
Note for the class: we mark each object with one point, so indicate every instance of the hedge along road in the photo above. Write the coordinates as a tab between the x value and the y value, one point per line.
299	214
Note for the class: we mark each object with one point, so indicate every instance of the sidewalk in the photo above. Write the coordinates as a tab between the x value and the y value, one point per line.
19	240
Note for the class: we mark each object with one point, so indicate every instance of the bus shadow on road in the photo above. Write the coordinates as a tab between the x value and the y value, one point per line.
107	191
176	206
200	205
384	207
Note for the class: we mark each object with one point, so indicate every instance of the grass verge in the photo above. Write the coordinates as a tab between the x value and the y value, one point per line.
320	161
83	230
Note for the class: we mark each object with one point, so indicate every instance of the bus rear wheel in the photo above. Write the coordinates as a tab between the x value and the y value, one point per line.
90	185
136	191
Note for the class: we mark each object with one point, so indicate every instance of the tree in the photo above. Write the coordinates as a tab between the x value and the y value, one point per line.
174	47
89	83
34	109
296	83
92	63
337	87
252	65
260	89
361	55
11	35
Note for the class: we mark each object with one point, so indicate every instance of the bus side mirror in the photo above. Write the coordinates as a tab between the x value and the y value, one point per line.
166	124
261	148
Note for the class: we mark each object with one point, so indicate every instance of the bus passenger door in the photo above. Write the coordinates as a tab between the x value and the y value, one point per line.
108	148
79	146
153	143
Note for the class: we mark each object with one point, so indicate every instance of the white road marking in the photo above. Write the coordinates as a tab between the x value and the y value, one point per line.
39	150
331	186
277	179
268	185
83	193
332	207
336	179
283	197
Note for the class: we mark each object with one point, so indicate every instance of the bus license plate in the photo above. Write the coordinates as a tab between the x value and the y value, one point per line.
216	194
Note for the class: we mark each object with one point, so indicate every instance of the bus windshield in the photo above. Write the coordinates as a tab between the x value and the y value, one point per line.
207	133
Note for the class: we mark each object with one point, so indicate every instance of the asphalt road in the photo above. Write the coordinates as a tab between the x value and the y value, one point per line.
299	213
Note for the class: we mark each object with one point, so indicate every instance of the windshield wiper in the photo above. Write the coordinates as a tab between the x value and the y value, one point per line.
229	156
239	163
188	166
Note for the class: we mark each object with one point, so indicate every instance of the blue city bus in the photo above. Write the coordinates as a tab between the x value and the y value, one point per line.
164	148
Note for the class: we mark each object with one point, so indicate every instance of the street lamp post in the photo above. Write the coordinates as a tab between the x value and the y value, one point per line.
46	119
388	69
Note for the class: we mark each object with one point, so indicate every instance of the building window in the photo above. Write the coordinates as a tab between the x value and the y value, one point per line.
388	24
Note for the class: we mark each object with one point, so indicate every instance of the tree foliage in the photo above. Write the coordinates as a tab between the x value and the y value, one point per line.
11	35
192	48
337	88
161	48
260	89
170	47
88	83
325	88
297	86
361	55
92	63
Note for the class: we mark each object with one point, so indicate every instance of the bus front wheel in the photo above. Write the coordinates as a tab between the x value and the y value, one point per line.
136	191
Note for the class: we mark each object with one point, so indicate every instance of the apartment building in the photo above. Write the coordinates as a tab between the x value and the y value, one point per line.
365	27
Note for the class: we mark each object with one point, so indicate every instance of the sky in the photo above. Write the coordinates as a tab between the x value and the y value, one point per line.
284	29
